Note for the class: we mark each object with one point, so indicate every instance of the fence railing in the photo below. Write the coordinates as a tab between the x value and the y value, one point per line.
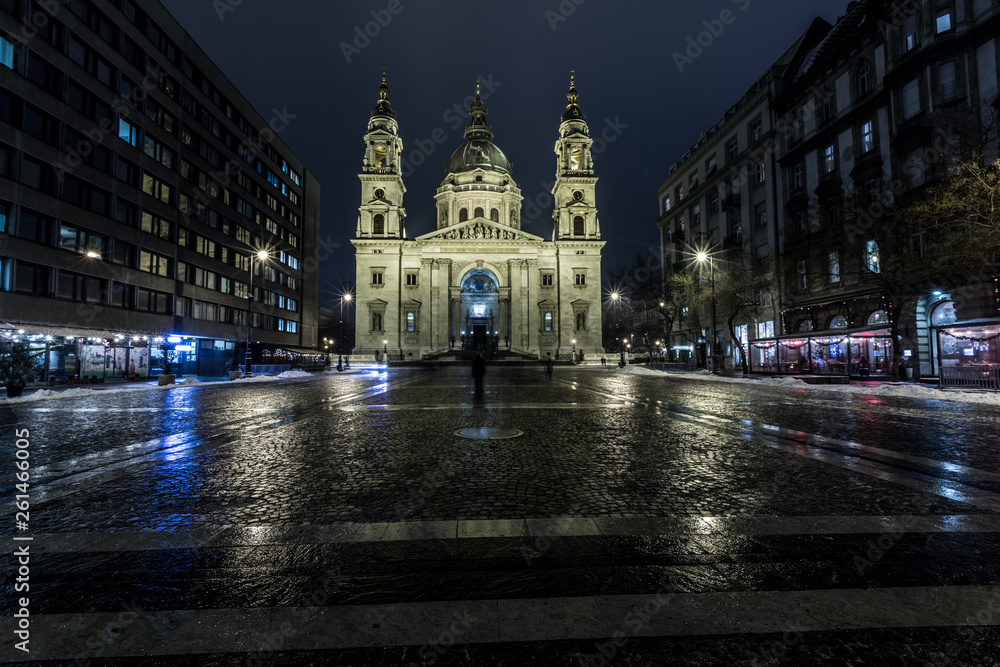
976	377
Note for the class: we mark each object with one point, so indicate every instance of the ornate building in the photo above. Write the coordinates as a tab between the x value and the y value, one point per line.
477	281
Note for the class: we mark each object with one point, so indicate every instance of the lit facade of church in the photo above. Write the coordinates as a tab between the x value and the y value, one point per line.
477	281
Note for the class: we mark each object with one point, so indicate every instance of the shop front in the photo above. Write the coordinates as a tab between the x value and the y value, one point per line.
859	353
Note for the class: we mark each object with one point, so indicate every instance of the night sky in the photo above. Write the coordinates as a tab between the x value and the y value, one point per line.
290	55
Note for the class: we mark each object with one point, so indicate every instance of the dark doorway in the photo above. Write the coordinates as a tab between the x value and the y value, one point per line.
479	336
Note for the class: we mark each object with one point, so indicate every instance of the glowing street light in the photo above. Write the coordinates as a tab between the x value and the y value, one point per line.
346	296
261	255
701	257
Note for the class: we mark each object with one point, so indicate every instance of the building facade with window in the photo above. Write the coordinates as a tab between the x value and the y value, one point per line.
477	281
721	199
137	186
868	116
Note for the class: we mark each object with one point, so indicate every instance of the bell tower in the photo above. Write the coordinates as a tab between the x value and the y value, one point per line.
575	213
381	215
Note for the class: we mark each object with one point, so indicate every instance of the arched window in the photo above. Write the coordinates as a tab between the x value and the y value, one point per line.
578	228
838	322
548	320
944	313
805	325
378	224
376	321
479	179
478	213
494	215
411	321
463	215
581	322
864	80
878	317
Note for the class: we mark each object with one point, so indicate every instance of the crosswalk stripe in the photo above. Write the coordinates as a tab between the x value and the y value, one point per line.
600	618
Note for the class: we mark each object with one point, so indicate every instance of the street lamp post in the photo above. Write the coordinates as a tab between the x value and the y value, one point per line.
385	350
701	257
340	352
262	255
574	350
615	297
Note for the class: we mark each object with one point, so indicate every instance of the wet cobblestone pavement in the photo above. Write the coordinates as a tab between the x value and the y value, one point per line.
341	519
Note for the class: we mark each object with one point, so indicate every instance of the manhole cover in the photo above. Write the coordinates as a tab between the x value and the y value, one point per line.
485	433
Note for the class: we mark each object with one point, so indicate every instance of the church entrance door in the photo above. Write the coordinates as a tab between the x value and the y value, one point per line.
479	336
479	326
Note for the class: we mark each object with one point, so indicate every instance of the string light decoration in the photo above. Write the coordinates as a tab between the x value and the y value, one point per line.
971	338
996	292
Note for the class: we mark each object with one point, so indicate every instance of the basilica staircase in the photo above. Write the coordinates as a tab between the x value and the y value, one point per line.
466	357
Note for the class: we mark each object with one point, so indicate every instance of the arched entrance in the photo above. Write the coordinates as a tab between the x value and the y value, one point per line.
480	311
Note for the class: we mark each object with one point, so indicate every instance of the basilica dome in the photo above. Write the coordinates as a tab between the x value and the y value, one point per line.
478	154
478	151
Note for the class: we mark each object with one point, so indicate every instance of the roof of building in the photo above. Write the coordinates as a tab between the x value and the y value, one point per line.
856	14
478	151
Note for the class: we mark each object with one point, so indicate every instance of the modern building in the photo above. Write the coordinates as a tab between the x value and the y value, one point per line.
866	115
137	187
477	281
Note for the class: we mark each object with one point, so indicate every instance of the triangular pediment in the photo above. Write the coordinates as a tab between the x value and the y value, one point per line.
479	230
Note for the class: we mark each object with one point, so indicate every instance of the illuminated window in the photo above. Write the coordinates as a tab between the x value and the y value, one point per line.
867	136
872	259
128	132
943	21
411	321
6	53
548	321
909	33
829	159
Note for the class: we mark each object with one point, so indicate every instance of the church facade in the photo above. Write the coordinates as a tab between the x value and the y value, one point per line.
477	281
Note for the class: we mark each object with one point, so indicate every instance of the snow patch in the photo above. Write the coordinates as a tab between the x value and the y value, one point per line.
889	389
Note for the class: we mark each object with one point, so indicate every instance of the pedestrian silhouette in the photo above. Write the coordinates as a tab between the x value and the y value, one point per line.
548	366
478	371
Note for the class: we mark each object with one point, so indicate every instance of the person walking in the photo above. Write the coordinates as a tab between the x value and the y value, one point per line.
479	371
548	366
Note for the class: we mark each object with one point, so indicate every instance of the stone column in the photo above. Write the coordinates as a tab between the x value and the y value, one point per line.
454	328
530	295
504	319
426	292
